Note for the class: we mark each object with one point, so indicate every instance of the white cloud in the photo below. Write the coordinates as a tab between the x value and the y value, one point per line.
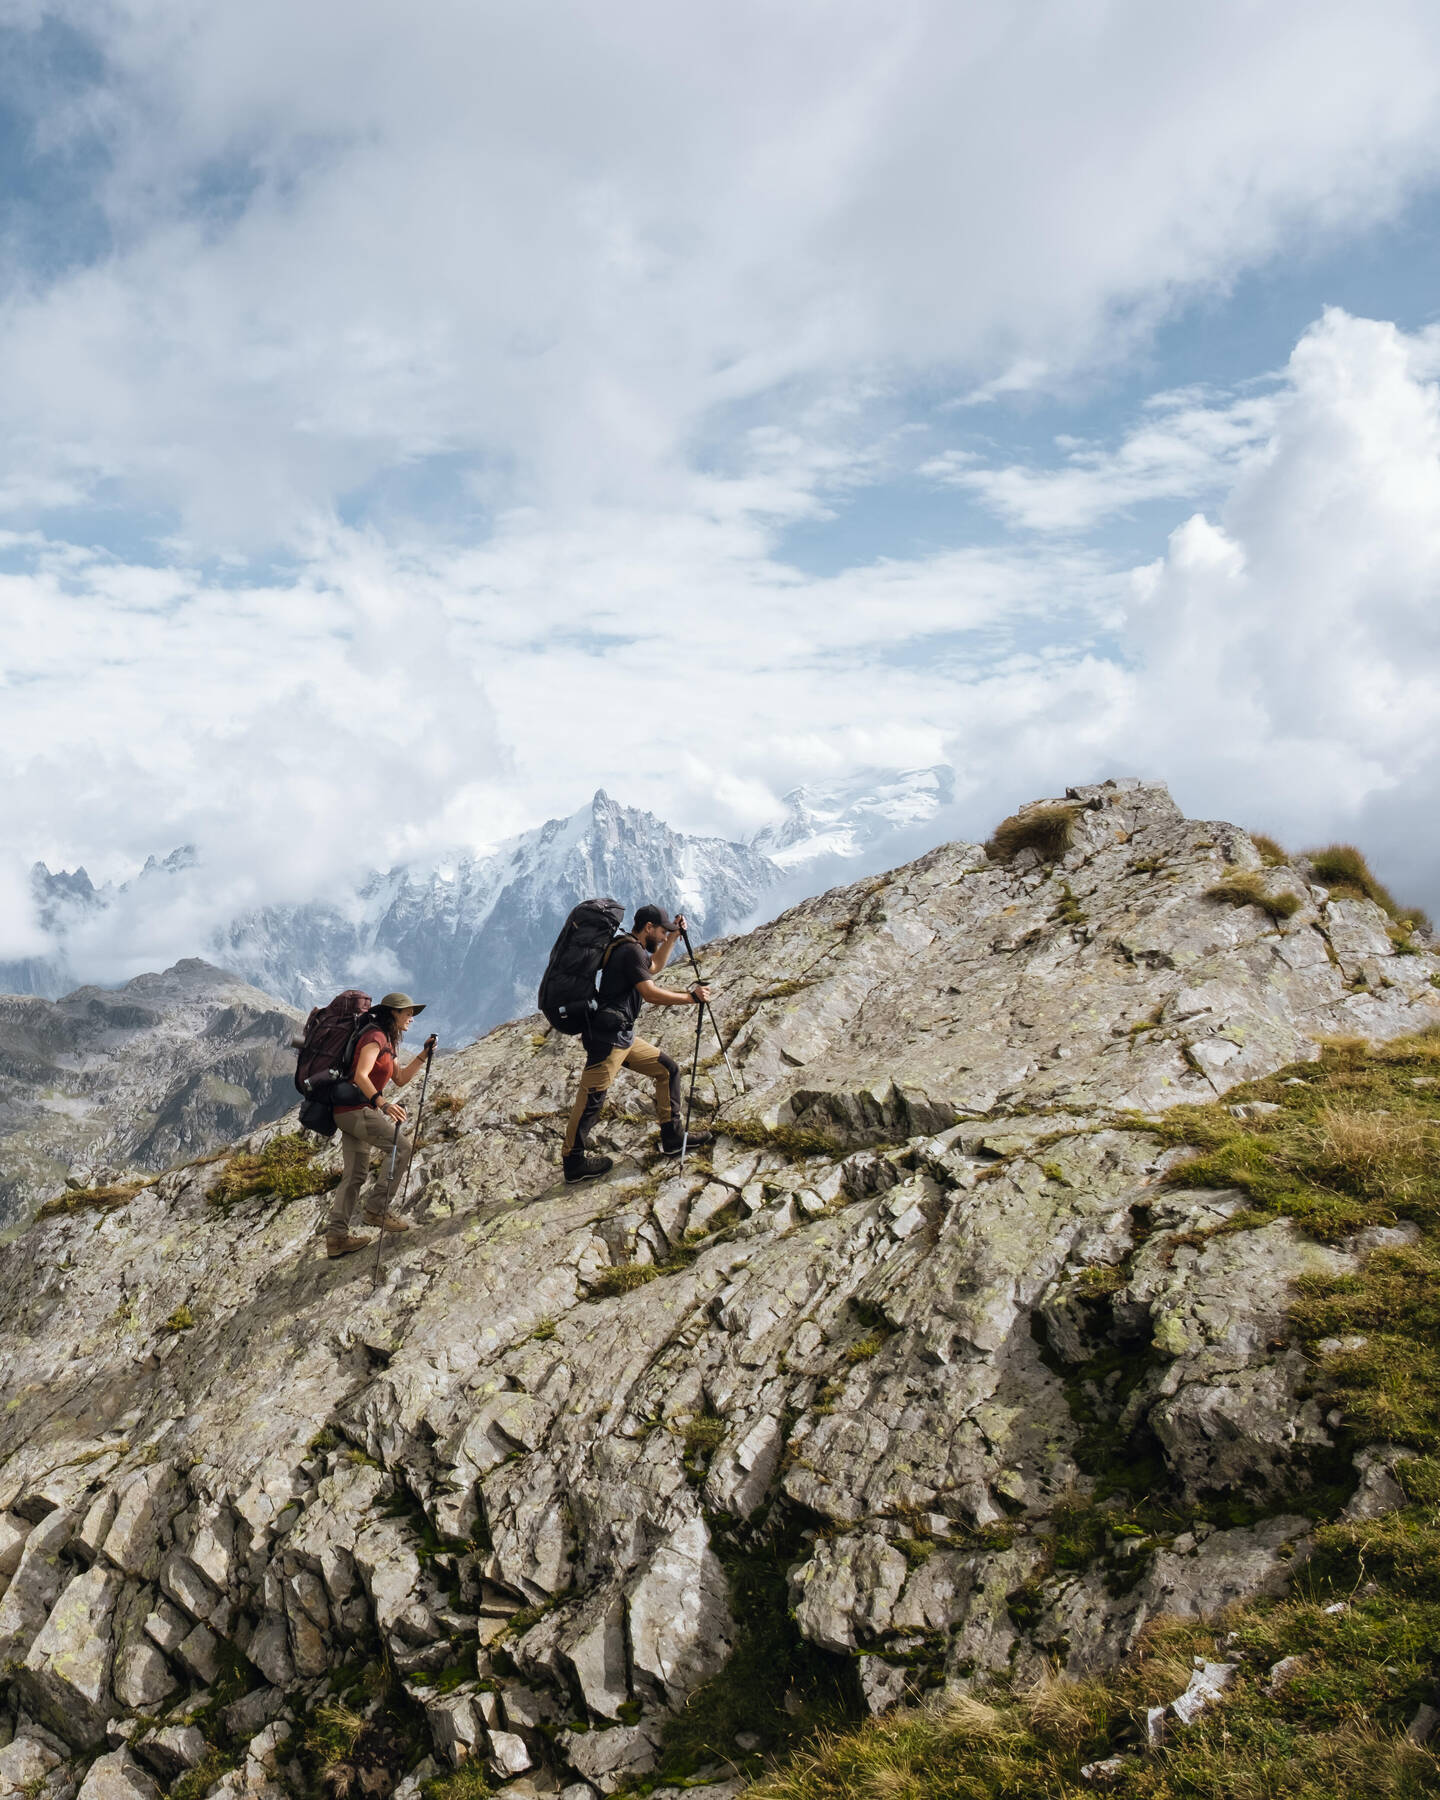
570	314
1279	664
557	244
1185	449
1291	648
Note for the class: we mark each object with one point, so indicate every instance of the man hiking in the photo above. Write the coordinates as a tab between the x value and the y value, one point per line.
371	1123
626	983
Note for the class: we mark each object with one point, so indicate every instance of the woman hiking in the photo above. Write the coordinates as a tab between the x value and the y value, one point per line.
372	1123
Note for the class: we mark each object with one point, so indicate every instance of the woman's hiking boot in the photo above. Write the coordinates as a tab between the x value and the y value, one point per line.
344	1243
672	1138
579	1167
386	1222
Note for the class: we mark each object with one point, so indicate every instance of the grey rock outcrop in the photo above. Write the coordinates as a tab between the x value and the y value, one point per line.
862	1342
109	1081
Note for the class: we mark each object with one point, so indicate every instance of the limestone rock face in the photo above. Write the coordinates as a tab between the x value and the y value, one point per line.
859	1343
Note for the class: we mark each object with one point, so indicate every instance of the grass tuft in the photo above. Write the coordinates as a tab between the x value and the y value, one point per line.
94	1199
284	1170
468	1782
1344	871
206	1773
793	1141
1048	830
1244	887
621	1278
1068	911
1272	855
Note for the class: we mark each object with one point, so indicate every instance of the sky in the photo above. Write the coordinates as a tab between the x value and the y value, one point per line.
414	419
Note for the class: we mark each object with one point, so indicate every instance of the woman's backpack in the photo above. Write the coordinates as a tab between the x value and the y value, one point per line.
327	1053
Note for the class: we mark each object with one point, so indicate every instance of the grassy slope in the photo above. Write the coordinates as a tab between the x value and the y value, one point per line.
1355	1141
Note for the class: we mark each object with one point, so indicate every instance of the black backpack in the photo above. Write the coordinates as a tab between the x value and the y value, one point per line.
567	988
327	1051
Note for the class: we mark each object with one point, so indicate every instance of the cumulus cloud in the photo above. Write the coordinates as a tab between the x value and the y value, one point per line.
1278	664
418	449
1290	645
557	245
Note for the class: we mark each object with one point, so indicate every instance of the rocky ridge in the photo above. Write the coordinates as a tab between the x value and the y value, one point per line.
867	1347
140	1077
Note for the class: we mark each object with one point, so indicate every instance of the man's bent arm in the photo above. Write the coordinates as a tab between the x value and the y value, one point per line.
658	996
660	955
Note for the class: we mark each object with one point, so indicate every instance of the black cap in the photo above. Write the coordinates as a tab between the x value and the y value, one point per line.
653	915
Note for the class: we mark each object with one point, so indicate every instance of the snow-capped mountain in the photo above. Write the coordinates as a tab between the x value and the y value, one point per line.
469	934
853	816
470	937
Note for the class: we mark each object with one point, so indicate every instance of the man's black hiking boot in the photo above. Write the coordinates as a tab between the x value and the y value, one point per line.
579	1167
671	1137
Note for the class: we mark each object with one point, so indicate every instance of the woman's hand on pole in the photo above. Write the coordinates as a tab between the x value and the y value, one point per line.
392	1109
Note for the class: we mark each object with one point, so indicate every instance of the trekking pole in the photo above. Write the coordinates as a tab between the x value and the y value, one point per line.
415	1145
707	1008
385	1206
694	1070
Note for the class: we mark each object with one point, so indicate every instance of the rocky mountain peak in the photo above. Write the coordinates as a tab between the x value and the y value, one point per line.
169	1066
935	1372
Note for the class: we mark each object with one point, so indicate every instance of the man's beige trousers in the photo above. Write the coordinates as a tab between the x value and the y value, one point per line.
644	1059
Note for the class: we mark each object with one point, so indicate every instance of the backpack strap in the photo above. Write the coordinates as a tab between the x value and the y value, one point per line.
625	937
366	1022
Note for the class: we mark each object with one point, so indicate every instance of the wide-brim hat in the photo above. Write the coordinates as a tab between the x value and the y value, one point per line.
402	1003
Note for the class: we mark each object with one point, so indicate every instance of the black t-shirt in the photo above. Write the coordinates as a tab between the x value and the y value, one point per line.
619	994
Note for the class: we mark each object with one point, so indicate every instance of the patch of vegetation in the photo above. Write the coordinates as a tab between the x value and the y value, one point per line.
1147	865
468	1782
1272	855
1068	910
782	990
182	1319
448	1103
1353	1142
543	1332
1244	887
718	1222
199	1780
621	1278
776	1687
1335	1728
1048	830
701	1436
323	1441
1152	1021
94	1199
1388	1385
1344	871
794	1142
1100	1278
284	1170
359	1741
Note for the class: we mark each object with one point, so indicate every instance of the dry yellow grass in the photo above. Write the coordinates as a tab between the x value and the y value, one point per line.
1380	1149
